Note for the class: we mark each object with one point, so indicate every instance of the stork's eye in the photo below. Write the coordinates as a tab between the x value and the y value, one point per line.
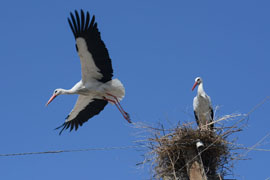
55	91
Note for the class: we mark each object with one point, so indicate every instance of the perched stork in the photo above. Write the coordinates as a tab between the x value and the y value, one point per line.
203	110
96	88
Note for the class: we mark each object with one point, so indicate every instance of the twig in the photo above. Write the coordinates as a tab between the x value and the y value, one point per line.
255	145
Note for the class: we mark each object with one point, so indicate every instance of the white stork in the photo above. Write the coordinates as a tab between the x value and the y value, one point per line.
96	88
203	110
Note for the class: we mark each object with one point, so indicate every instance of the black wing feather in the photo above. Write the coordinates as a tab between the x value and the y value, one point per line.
87	20
74	24
78	21
92	109
71	26
197	120
94	42
82	20
212	117
72	126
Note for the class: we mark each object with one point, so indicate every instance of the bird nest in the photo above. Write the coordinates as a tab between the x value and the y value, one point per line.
173	151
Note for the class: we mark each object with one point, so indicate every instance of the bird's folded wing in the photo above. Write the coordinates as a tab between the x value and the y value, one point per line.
210	107
94	56
85	108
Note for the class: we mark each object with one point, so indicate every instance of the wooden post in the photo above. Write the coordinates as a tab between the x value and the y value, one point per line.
195	167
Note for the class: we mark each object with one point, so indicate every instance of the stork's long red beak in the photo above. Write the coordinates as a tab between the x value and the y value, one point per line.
50	100
195	84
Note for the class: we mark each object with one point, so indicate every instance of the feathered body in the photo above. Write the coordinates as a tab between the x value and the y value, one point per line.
202	107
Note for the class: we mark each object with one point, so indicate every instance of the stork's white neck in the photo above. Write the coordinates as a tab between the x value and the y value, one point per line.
200	89
67	91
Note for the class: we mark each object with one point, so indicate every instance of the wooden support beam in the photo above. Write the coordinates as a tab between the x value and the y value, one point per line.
195	168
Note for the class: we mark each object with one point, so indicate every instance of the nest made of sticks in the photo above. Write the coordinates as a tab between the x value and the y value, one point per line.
173	148
169	150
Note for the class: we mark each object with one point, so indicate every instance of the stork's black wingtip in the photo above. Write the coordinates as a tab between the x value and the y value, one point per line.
63	125
59	126
61	132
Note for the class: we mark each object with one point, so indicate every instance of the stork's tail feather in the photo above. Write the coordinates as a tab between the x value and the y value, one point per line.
117	89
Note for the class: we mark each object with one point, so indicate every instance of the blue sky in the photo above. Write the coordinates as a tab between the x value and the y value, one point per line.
157	49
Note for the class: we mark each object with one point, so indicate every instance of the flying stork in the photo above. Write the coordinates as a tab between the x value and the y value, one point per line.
202	107
96	88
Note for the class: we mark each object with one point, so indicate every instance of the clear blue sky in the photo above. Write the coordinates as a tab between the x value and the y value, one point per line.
157	49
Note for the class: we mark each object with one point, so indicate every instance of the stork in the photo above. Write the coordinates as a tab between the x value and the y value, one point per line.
96	88
202	107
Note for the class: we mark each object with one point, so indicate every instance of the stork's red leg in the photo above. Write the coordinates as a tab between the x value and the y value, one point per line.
115	103
120	106
125	115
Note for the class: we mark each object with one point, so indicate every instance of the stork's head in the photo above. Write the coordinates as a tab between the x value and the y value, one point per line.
56	92
198	80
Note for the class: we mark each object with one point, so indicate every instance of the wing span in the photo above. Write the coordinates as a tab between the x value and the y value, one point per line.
95	61
84	109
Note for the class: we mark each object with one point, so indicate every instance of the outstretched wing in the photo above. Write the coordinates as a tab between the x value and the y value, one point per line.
94	56
85	108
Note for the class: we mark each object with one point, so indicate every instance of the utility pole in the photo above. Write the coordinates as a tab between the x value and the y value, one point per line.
194	162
